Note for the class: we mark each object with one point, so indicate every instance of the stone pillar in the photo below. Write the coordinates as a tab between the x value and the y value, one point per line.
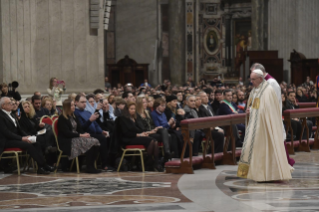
228	45
177	41
259	24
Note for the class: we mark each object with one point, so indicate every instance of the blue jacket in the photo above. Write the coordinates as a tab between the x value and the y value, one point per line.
87	125
160	119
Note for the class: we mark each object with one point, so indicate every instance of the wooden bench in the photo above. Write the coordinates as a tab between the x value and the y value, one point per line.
307	104
206	161
302	113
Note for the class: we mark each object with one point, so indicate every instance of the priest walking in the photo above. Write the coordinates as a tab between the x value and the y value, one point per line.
274	84
263	156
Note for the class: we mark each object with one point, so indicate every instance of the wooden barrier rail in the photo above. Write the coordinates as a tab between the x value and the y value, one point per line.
306	104
302	114
185	165
206	124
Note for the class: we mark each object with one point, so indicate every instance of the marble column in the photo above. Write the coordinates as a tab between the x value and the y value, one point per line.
228	40
259	24
177	41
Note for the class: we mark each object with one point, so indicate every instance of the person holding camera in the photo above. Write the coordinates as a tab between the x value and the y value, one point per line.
10	91
55	91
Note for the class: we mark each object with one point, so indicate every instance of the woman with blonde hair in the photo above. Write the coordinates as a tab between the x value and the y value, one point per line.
72	139
30	125
55	91
72	96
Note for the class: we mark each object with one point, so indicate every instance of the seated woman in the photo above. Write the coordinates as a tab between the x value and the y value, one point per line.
92	106
73	141
15	106
146	122
48	104
132	134
31	126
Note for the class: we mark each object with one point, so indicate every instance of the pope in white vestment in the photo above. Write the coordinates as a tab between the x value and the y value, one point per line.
263	156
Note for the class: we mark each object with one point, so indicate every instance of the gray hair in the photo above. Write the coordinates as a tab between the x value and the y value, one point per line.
258	66
201	92
190	96
3	101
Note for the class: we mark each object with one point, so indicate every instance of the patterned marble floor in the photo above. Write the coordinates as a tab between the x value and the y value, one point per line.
206	190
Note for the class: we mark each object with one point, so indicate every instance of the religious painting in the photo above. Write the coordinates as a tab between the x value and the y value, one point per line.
212	41
242	40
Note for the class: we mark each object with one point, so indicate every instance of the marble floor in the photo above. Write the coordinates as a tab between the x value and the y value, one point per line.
206	190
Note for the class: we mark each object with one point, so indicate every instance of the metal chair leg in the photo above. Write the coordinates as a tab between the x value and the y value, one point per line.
119	167
58	162
77	165
18	164
142	160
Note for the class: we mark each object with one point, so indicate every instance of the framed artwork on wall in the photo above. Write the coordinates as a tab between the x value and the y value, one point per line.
212	41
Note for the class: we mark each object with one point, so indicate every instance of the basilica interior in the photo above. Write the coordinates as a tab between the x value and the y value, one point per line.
166	43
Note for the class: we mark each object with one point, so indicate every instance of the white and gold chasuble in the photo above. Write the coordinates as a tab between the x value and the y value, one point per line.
263	156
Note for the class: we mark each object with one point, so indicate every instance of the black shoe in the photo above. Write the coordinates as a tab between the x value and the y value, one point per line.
93	171
41	170
49	168
158	168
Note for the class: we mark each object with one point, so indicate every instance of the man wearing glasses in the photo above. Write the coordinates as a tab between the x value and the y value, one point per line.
11	136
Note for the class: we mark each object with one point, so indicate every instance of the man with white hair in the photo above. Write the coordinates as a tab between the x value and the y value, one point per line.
263	156
274	84
12	136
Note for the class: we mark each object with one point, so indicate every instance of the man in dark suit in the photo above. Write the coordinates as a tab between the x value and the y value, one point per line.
296	125
11	136
36	102
218	98
206	111
227	107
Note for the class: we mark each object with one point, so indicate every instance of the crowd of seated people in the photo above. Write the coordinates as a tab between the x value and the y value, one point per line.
98	124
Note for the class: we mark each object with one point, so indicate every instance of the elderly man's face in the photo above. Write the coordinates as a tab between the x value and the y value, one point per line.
255	79
204	98
198	102
191	102
7	106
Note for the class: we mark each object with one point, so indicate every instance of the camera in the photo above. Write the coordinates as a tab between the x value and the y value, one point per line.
101	101
60	82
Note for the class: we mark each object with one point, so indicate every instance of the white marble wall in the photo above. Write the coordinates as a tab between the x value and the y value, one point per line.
294	24
51	38
136	31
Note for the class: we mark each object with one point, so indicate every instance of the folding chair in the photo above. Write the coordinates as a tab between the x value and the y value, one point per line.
46	120
55	131
16	152
54	117
134	149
